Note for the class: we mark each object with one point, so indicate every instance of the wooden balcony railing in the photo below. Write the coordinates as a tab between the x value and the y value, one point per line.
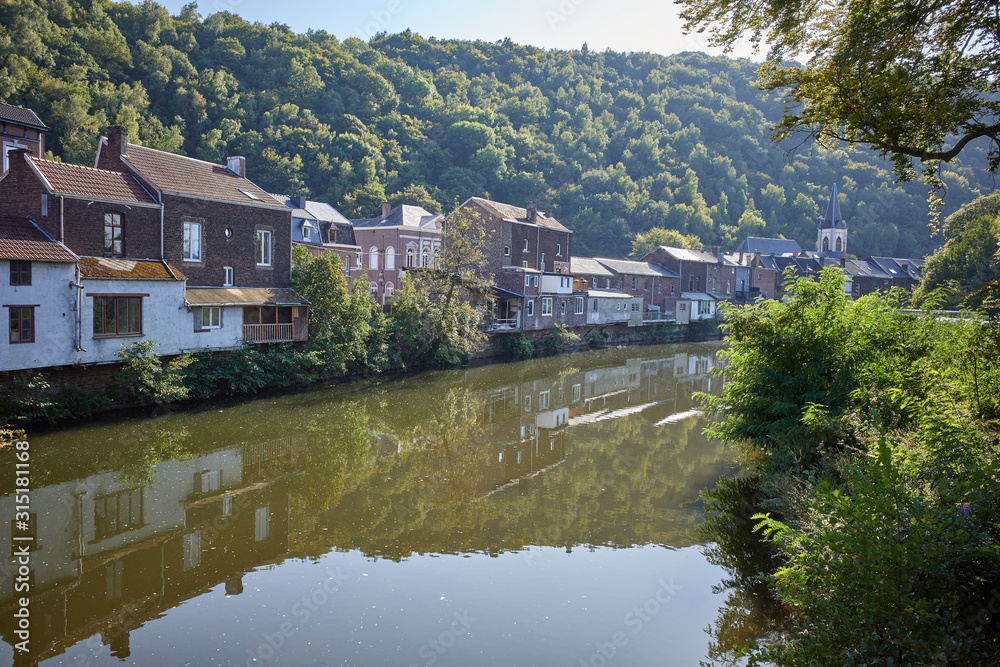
267	333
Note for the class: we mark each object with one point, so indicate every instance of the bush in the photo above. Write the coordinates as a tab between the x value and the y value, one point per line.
147	378
518	347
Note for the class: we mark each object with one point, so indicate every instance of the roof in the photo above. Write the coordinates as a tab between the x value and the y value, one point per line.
243	296
518	214
633	268
21	116
504	293
833	219
686	255
403	215
755	244
128	269
312	210
696	296
177	174
588	266
76	180
864	269
23	239
609	294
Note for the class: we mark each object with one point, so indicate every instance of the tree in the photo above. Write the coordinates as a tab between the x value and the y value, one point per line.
648	241
912	80
437	315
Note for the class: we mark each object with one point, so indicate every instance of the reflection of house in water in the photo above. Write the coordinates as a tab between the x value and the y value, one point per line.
110	555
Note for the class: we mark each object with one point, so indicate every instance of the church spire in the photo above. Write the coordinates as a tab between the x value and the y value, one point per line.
833	219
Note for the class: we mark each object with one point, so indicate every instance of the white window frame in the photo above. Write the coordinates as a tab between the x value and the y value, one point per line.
562	307
527	280
373	258
192	242
579	306
390	259
546	306
263	247
559	250
525	245
529	307
214	316
506	251
227	276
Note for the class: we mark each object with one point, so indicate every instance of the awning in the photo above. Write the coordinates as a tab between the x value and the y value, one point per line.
505	293
243	296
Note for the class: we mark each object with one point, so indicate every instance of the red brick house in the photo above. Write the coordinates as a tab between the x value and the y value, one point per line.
20	128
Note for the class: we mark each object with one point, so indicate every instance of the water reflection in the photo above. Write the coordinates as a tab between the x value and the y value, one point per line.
134	518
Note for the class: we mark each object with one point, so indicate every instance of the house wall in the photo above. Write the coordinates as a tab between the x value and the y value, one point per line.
765	280
608	310
397	238
55	316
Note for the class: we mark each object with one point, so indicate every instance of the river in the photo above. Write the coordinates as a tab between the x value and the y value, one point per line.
534	513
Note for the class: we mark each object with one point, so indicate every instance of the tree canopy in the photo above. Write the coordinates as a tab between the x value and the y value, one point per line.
911	79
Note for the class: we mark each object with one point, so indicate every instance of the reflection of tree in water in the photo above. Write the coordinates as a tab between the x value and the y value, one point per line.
750	612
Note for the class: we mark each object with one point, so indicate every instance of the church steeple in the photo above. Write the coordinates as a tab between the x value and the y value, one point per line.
832	240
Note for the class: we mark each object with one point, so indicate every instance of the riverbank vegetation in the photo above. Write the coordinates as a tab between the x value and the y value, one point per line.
871	440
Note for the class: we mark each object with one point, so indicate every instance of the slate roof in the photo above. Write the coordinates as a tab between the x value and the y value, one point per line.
833	219
588	266
76	180
632	268
862	268
403	215
755	244
243	296
21	116
22	239
696	296
313	210
516	213
180	175
128	269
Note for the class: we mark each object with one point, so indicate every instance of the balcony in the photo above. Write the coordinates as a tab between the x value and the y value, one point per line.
268	333
508	324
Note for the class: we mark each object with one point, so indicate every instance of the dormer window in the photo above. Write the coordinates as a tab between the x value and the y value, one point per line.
306	230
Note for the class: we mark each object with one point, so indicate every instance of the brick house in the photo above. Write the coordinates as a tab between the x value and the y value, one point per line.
699	271
658	286
756	276
401	238
20	128
321	228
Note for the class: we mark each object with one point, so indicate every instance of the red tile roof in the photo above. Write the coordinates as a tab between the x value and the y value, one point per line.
20	239
146	269
188	176
74	179
509	212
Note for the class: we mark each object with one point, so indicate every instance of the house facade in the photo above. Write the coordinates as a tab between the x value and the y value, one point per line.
699	271
20	128
320	228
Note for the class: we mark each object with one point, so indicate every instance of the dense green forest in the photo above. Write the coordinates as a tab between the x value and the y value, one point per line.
613	143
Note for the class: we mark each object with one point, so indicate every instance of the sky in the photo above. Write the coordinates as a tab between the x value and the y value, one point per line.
621	25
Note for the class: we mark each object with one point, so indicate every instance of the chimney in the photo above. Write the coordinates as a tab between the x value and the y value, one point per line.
298	202
117	142
756	259
532	213
238	165
386	208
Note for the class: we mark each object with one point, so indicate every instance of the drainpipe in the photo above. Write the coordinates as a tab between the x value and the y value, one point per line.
62	238
162	253
78	308
538	247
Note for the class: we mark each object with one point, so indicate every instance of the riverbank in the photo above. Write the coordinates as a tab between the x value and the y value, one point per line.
142	380
868	439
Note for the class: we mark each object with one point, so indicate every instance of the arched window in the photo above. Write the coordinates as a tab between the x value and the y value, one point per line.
840	244
425	257
373	258
389	290
411	257
373	288
826	244
390	258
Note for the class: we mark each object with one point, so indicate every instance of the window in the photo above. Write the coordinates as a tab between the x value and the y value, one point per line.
527	280
635	306
645	284
530	307
635	282
192	242
227	506
525	245
579	305
506	251
113	233
117	513
117	315
262	524
728	286
20	272
211	318
541	266
659	287
389	290
22	324
207	481
672	288
593	305
543	400
527	402
593	282
562	307
227	276
373	289
373	258
534	280
425	257
524	264
411	257
192	550
357	259
559	250
840	244
390	259
826	244
305	230
263	247
577	392
45	206
347	265
607	283
546	305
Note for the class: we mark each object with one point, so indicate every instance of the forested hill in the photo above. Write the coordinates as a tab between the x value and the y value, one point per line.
613	143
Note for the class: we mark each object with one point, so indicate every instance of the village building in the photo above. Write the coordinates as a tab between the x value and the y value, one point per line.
658	286
404	237
321	228
20	128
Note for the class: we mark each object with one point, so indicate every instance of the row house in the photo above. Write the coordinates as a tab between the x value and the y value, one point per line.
699	271
658	286
755	279
20	128
404	237
321	228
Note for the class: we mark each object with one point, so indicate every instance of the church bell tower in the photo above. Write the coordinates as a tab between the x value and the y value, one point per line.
832	241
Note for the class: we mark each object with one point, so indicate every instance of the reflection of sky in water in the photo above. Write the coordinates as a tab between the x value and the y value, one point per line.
541	606
425	475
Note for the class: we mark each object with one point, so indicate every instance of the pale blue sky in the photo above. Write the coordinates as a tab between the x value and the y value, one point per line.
622	25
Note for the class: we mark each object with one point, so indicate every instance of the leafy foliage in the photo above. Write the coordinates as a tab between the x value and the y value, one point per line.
149	378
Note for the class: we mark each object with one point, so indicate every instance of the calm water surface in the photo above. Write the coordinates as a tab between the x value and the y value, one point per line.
537	513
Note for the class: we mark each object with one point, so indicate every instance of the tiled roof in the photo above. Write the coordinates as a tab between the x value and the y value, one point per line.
21	239
74	179
21	116
633	268
403	215
754	244
509	212
243	296
196	178
588	266
313	210
131	269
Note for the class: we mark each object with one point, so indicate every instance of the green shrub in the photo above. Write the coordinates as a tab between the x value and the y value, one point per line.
145	376
518	347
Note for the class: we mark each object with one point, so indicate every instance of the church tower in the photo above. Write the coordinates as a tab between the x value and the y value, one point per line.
832	241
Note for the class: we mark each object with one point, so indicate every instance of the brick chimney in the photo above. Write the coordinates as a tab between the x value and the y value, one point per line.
532	213
238	165
117	142
386	208
756	259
